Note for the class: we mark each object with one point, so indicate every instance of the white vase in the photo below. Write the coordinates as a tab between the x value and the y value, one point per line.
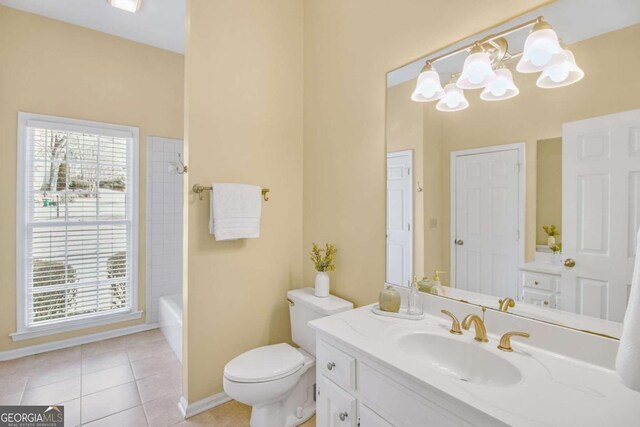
322	284
551	240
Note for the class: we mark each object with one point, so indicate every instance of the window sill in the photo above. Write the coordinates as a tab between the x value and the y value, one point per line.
43	331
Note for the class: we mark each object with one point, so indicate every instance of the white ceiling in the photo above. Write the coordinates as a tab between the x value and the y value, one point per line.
159	23
573	20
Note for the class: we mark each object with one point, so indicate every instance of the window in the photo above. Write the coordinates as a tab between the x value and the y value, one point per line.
77	224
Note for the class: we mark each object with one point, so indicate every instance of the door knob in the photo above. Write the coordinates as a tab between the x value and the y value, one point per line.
459	242
570	262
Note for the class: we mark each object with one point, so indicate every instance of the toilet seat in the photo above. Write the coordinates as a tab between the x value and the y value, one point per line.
263	364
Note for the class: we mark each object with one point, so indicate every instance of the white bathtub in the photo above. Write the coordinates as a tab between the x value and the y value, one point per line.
170	318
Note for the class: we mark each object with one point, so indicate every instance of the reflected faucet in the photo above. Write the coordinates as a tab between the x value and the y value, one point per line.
481	331
506	303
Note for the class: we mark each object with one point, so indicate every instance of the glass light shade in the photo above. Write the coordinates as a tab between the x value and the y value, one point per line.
541	49
453	99
561	74
129	5
501	87
428	88
477	71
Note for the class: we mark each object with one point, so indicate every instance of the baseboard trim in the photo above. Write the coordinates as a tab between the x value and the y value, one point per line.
71	342
189	410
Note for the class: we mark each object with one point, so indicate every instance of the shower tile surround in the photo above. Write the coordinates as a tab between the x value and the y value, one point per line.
164	220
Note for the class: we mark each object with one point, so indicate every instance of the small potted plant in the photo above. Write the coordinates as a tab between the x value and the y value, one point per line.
552	232
323	261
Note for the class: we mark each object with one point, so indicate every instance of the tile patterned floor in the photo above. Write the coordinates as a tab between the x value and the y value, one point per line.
128	381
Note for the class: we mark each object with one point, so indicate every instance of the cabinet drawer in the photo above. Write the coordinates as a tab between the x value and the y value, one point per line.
540	281
336	365
539	298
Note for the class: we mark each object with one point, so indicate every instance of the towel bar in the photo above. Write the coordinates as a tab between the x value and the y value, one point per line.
198	189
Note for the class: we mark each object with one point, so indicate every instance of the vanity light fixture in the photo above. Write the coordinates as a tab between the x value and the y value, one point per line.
485	67
561	74
541	49
477	71
428	87
128	5
500	87
453	99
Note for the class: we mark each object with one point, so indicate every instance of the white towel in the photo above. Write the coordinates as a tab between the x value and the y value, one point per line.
235	211
628	359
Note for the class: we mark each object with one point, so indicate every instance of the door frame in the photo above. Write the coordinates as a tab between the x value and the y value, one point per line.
522	197
411	248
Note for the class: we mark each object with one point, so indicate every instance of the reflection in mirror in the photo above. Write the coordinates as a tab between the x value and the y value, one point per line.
535	197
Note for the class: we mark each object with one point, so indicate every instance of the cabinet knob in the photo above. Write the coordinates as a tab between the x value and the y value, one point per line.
459	242
330	366
536	283
343	416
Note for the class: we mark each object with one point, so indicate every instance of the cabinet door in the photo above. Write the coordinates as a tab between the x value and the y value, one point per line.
334	406
539	298
368	418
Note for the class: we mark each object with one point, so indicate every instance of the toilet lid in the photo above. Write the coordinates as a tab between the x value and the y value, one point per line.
264	363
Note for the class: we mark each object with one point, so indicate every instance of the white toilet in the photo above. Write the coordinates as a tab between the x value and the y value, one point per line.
278	380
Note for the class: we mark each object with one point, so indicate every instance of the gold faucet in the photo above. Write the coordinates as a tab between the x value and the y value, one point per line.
506	303
455	325
481	331
505	341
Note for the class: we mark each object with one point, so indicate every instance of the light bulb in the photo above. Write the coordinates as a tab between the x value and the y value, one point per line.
561	73
501	87
453	99
428	87
477	70
541	49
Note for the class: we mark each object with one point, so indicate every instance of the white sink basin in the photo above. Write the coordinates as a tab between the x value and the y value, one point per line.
463	360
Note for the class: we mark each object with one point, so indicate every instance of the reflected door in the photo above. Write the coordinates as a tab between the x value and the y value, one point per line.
486	218
399	218
600	212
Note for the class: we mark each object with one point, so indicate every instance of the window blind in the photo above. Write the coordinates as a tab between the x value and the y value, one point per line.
78	222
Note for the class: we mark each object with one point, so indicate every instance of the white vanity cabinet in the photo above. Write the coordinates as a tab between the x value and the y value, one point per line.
353	390
540	285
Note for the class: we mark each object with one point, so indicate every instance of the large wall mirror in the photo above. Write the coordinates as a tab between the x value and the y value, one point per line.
522	185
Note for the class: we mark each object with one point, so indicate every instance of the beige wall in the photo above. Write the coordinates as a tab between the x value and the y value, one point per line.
534	115
549	187
54	68
243	124
404	132
349	48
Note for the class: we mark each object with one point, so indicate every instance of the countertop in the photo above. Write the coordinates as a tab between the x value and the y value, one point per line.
554	390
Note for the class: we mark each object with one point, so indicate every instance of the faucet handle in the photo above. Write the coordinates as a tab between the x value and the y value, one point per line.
505	341
455	325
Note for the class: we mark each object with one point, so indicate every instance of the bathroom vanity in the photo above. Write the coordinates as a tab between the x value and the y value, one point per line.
377	371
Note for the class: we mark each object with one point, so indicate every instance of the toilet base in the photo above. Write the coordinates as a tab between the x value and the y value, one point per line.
284	412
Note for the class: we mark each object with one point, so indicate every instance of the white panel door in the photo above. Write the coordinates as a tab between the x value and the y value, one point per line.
399	218
485	235
334	406
600	212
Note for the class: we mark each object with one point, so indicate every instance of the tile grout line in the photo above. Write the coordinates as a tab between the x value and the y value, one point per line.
135	380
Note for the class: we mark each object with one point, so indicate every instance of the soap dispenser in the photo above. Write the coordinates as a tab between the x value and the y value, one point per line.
436	287
414	306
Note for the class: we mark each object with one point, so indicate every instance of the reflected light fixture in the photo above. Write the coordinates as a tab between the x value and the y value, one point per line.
477	71
453	99
501	87
562	73
129	5
486	67
541	49
428	87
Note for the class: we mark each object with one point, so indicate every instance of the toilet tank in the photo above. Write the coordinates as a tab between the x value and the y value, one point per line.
305	307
